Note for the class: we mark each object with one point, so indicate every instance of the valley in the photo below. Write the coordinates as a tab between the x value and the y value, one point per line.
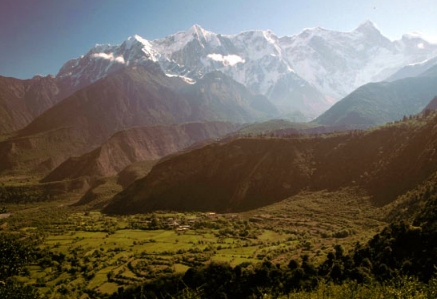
89	252
84	251
200	165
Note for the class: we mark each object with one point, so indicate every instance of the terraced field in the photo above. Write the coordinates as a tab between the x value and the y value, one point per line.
87	251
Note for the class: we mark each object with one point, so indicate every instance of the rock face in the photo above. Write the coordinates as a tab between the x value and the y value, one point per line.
138	144
134	96
249	173
379	103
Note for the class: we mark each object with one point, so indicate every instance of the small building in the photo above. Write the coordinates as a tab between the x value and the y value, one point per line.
173	223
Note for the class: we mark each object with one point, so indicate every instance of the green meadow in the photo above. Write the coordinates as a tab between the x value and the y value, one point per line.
88	252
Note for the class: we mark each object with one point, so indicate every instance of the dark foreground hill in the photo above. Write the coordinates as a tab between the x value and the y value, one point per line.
134	96
252	172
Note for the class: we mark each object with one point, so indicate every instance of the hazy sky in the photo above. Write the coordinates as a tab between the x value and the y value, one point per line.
38	36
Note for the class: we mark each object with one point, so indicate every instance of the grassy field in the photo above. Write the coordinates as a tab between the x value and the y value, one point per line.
90	252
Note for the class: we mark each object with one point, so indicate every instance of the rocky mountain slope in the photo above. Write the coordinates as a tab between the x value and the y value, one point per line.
379	103
134	96
23	100
138	144
248	173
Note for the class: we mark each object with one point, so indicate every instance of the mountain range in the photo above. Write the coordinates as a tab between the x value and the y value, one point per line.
318	62
196	75
133	96
264	150
305	73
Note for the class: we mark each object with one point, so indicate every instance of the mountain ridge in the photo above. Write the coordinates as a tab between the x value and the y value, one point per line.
21	101
137	144
328	64
251	172
134	96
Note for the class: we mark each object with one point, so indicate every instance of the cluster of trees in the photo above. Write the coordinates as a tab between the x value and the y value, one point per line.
15	253
220	280
19	194
427	113
294	134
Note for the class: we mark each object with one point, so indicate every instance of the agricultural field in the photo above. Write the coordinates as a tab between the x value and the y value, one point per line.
97	254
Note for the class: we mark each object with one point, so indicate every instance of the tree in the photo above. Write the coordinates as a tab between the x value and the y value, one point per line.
14	290
15	253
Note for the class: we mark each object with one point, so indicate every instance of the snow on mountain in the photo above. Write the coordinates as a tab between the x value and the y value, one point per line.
106	59
176	42
413	70
306	72
339	62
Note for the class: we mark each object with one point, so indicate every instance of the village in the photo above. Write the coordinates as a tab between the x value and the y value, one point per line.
180	222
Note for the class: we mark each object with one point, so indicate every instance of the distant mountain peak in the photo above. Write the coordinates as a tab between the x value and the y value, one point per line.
196	28
367	26
136	39
330	61
200	33
140	39
312	29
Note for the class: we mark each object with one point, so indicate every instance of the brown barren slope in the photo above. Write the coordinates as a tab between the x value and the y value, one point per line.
23	100
252	172
138	144
132	97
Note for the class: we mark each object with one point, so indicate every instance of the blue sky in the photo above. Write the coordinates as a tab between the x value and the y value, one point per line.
38	36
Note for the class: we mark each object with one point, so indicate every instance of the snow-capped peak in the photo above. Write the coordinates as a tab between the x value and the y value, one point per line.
176	42
139	39
198	30
329	61
367	26
419	36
